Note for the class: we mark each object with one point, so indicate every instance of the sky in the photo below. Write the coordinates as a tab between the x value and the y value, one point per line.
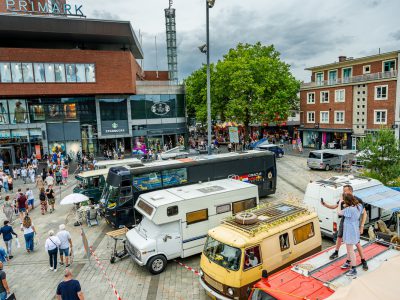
305	32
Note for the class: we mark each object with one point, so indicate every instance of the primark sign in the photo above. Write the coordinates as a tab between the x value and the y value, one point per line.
49	8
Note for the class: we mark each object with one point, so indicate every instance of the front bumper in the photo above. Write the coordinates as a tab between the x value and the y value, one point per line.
212	292
132	254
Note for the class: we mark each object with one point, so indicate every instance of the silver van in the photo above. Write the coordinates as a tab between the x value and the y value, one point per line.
328	159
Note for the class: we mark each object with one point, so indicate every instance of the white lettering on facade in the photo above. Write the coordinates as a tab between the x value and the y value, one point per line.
55	9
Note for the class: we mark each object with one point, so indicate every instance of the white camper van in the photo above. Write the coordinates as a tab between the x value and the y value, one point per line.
372	192
176	220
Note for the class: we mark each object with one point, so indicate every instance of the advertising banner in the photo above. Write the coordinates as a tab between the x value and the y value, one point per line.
233	134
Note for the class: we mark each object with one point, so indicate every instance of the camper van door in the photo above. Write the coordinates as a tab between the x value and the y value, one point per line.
169	240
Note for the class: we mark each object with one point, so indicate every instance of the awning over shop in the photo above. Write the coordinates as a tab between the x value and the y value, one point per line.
380	196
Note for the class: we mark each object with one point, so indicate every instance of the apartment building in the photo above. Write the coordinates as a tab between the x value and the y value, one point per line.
349	98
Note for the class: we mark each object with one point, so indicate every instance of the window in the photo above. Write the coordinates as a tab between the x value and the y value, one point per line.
90	73
27	71
389	65
333	77
223	208
113	109
380	116
71	72
197	216
252	257
310	98
147	182
80	73
366	69
324	117
310	117
319	78
284	241
346	72
243	205
340	95
381	92
172	210
174	177
39	72
147	208
339	117
303	233
324	97
16	71
49	72
5	72
59	70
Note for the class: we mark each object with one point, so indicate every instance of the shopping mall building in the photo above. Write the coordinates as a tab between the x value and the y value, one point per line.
75	83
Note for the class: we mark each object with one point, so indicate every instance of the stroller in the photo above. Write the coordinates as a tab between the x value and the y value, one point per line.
58	178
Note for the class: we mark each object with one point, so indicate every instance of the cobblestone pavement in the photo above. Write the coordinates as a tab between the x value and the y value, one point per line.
30	278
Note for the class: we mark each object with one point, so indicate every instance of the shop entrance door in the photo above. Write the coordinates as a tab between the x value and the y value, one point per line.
8	155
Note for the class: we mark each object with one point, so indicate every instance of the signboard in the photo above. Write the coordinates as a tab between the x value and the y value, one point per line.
233	135
160	108
48	8
118	127
37	152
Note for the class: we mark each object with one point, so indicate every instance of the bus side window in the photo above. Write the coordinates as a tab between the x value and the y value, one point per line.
284	241
303	233
96	182
197	216
243	205
252	257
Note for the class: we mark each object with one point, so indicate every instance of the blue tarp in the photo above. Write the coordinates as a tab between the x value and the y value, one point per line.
380	196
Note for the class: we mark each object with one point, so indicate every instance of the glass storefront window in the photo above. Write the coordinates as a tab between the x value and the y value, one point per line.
71	72
20	135
80	73
37	112
59	70
5	134
5	72
138	107
16	71
4	112
18	111
39	72
180	106
35	135
54	112
70	111
113	109
49	72
90	73
27	71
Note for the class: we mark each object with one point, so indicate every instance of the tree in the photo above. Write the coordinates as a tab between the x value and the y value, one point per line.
251	84
381	156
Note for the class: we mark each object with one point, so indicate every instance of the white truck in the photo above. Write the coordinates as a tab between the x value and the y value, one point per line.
176	220
371	191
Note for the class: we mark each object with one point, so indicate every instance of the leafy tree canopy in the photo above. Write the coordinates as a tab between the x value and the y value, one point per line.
381	156
251	84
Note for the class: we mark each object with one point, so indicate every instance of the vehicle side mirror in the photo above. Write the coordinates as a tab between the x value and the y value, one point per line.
166	237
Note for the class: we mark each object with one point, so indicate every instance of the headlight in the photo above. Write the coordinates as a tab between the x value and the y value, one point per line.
230	291
138	254
201	272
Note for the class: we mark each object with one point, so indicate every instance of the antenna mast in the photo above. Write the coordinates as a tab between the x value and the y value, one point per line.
172	55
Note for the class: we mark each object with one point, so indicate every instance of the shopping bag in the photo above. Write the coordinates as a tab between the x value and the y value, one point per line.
17	243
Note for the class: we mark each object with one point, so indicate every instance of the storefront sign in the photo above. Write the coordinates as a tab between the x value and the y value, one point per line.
32	7
118	127
160	108
233	134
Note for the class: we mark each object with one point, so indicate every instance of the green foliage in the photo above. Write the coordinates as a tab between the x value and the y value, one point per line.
381	156
250	85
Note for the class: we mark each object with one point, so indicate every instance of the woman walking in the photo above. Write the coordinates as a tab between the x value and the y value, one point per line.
43	202
51	198
64	173
10	184
29	233
51	246
39	182
8	209
351	230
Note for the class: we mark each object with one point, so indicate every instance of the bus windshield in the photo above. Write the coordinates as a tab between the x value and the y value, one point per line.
82	182
110	196
222	254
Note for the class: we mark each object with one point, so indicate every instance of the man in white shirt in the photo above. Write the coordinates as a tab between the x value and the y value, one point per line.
49	180
24	174
66	244
31	199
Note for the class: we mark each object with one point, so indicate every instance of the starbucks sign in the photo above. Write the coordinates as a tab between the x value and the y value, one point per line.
117	127
160	108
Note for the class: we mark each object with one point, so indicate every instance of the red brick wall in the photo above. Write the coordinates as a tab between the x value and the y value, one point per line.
389	104
152	75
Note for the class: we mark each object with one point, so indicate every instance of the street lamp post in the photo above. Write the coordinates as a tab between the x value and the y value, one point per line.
209	4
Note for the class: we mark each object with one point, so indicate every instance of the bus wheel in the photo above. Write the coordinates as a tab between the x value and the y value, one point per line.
157	264
327	168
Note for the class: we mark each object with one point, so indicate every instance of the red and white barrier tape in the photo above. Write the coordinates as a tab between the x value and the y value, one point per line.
187	267
104	273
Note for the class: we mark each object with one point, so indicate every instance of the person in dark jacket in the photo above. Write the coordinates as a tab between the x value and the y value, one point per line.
7	231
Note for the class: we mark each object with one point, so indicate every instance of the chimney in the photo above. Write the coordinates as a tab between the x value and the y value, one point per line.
342	58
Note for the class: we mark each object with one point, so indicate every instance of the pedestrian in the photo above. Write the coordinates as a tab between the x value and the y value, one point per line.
21	204
51	246
58	177
31	199
24	174
351	232
44	174
50	198
8	209
4	288
69	288
31	174
49	179
15	173
29	233
7	231
65	246
39	182
43	202
5	182
65	174
10	184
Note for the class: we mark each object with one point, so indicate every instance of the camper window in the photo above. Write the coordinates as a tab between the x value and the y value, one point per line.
197	216
284	241
96	181
172	211
145	207
303	233
243	205
252	257
223	208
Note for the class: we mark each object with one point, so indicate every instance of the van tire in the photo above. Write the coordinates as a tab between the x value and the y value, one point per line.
280	155
157	264
246	218
327	168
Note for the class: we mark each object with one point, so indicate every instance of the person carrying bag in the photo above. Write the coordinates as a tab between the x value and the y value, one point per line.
51	246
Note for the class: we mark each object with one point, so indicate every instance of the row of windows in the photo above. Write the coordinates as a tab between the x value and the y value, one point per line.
380	117
387	66
381	93
27	72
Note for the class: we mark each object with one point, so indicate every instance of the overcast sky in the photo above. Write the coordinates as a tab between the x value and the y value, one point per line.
305	32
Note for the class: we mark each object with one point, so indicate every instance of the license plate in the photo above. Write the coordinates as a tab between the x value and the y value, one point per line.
216	285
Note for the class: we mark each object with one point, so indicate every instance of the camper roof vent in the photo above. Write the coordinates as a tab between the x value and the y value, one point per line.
157	197
211	189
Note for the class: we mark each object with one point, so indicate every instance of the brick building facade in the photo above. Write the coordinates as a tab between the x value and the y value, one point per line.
349	98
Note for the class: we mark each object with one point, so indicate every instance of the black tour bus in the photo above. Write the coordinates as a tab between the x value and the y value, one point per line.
124	184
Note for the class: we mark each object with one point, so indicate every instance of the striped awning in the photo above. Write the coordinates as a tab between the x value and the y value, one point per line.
380	196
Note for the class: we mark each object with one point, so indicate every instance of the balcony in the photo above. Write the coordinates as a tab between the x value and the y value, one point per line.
351	80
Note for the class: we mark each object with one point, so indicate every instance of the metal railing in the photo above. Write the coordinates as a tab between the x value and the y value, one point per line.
353	79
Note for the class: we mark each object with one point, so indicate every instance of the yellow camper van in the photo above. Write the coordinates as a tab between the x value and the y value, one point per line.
267	238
